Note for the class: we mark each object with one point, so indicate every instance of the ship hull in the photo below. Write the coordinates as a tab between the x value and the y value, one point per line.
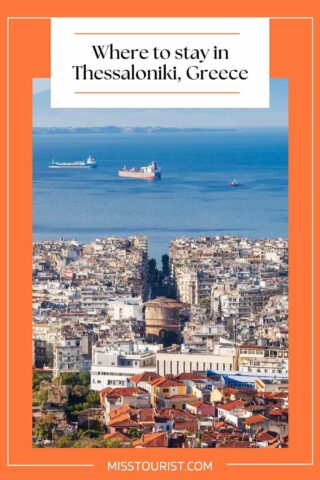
139	175
73	167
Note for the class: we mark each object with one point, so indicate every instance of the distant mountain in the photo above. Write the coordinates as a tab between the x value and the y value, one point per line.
124	130
103	120
134	120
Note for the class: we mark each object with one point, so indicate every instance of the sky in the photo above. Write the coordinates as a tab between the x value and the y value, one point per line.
275	116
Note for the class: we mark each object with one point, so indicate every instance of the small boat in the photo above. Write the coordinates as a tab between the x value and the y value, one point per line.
235	183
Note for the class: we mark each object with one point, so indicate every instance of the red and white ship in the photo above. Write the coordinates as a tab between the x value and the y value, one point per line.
151	172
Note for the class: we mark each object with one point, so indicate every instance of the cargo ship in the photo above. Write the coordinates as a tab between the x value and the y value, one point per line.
89	163
151	172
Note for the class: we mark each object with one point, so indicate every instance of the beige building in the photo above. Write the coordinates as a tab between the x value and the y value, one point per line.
171	361
188	287
162	316
261	359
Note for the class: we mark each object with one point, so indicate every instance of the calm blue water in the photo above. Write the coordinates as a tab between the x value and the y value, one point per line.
193	198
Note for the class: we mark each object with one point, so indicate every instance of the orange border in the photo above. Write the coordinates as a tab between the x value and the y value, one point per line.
30	58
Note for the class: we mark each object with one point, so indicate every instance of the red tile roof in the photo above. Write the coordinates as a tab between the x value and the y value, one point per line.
124	423
117	436
152	440
144	377
180	414
232	405
280	395
218	425
249	391
228	390
254	419
181	396
275	412
122	392
166	382
119	418
264	437
164	302
119	411
191	426
208	437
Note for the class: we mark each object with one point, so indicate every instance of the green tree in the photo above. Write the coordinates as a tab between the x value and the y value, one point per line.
152	265
37	378
90	443
93	399
84	378
65	441
79	391
39	397
43	427
205	302
77	378
114	444
165	265
134	433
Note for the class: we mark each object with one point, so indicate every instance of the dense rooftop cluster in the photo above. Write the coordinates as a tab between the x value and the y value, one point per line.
115	366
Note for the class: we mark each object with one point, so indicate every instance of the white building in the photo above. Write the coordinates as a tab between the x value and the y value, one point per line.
112	366
229	304
261	359
125	308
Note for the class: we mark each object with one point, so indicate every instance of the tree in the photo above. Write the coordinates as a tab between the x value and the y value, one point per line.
152	265
205	302
79	391
93	399
37	378
39	397
90	443
115	444
84	378
43	427
165	265
170	337
65	441
134	433
77	378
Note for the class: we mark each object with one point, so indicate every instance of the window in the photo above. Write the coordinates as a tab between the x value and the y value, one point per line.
165	390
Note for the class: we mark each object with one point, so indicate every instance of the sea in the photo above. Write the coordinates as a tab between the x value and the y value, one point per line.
192	199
